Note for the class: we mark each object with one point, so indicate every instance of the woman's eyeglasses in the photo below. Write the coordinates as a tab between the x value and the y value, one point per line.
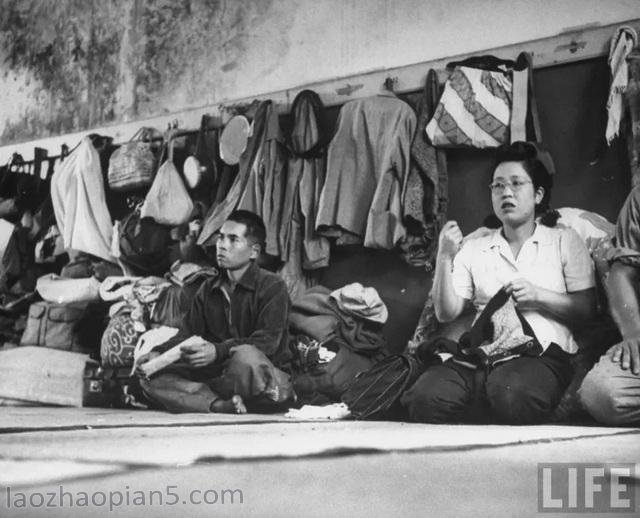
515	185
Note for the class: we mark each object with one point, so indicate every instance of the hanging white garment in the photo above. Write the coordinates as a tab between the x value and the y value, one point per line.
6	231
622	44
79	202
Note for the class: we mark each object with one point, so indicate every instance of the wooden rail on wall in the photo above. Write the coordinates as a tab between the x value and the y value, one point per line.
574	44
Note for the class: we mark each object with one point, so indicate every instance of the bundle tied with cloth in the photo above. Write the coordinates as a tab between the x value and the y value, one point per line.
348	323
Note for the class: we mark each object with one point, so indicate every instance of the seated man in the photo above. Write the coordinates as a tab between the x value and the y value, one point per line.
611	390
241	317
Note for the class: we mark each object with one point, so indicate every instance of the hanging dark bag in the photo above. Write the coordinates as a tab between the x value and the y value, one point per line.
144	245
374	394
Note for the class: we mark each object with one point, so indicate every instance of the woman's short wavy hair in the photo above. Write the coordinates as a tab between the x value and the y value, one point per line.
536	162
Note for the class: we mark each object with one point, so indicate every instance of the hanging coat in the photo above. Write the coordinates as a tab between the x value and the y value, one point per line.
264	193
367	166
79	203
306	176
303	248
249	161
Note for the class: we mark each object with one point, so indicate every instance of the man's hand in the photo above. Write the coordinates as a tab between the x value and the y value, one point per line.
525	294
627	354
199	355
144	359
449	240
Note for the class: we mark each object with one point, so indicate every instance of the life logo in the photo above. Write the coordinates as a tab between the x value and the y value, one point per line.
587	488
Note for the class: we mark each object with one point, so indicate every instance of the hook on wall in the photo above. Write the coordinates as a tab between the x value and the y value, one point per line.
390	83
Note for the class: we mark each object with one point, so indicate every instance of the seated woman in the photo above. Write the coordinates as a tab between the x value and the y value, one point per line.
548	273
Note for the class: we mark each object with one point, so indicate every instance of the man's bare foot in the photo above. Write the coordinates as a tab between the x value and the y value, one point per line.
235	405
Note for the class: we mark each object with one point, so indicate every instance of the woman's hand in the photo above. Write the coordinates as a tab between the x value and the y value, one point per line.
525	294
450	240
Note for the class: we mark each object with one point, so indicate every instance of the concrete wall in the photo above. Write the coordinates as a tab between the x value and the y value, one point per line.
72	65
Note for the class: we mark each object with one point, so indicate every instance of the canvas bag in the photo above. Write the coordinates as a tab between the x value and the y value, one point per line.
132	165
168	201
54	325
485	103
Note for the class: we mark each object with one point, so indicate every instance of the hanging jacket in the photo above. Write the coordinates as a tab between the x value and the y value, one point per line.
367	166
425	197
306	174
79	203
303	249
264	192
249	163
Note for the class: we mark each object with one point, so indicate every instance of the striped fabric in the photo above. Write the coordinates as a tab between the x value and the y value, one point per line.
474	110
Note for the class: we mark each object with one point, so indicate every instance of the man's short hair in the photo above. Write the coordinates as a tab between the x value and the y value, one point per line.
256	232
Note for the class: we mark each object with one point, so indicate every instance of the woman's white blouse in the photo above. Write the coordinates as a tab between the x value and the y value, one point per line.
552	258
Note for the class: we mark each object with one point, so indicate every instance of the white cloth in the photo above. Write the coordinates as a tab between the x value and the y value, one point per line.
622	44
361	302
552	258
79	203
116	287
590	226
334	411
60	290
6	231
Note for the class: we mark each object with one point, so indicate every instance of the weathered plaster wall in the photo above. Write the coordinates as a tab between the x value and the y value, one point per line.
72	65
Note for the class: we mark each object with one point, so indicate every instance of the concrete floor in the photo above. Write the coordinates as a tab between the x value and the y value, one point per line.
282	467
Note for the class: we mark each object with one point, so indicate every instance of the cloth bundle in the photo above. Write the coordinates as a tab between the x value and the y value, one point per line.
361	302
79	202
54	288
498	334
318	315
168	201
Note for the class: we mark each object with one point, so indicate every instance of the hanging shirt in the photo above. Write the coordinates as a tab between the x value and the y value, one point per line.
79	202
367	165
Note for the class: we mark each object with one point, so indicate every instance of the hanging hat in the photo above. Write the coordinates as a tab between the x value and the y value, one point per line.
233	140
